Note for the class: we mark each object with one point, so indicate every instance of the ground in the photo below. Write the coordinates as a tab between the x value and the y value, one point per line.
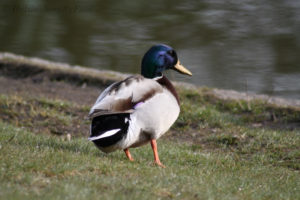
217	149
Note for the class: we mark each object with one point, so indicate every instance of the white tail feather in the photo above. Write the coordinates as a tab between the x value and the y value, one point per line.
106	134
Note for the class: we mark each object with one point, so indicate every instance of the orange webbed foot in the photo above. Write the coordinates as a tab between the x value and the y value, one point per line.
158	163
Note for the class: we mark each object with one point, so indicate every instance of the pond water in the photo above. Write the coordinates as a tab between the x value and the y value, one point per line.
244	45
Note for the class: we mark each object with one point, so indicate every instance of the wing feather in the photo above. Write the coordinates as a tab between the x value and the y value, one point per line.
122	96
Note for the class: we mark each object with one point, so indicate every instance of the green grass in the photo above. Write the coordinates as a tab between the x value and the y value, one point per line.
44	166
212	152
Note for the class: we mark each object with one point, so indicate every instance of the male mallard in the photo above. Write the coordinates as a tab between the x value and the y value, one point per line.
139	109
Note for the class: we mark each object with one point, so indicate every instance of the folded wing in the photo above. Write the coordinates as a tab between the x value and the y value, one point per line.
124	96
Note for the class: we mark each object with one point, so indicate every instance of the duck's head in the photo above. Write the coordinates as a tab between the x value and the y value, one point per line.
160	58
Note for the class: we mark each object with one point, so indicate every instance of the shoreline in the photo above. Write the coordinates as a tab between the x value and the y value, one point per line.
31	66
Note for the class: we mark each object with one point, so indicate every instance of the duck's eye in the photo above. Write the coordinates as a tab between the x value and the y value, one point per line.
172	53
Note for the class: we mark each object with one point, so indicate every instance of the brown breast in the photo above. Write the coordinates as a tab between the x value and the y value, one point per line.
166	83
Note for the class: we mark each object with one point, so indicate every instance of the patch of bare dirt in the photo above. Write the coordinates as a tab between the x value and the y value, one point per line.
42	87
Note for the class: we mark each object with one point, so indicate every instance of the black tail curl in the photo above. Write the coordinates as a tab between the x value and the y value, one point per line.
104	123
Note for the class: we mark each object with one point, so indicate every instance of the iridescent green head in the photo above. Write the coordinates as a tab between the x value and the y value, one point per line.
160	58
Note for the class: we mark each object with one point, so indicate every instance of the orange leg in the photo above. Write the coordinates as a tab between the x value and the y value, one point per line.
128	154
156	158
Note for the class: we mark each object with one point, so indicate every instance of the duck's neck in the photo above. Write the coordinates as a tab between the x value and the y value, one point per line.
166	83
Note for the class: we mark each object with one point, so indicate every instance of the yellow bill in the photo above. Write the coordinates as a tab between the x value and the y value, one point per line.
181	69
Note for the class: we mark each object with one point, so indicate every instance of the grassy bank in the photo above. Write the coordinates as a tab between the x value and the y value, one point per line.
217	149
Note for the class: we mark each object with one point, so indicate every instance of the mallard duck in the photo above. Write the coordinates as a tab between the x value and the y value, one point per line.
139	109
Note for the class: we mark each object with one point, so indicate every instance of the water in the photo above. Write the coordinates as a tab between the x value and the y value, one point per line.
242	45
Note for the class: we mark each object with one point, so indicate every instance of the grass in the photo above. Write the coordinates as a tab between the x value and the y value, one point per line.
212	152
38	166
